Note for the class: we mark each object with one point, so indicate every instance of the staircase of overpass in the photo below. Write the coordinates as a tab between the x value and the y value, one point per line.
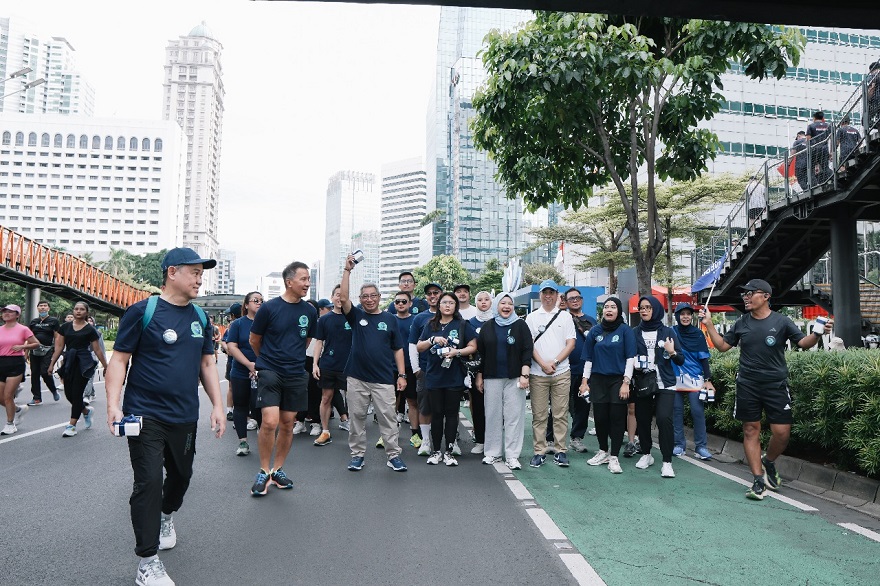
35	265
781	236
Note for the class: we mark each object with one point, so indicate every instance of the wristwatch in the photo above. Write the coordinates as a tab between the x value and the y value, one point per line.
401	376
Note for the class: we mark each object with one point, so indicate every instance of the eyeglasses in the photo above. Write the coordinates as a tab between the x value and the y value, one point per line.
747	294
432	293
573	299
406	281
447	302
401	301
256	301
370	296
644	307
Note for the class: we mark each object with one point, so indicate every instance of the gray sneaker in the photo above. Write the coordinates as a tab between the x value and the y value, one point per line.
577	444
167	534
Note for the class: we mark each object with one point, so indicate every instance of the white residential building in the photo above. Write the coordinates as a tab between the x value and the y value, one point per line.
225	272
193	97
403	206
352	208
271	286
88	184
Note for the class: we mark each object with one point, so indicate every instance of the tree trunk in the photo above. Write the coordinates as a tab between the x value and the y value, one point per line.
612	278
669	281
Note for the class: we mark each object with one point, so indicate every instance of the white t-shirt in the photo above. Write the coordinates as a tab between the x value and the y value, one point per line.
553	339
468	313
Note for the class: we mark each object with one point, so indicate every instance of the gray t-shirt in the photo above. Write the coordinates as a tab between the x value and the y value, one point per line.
762	346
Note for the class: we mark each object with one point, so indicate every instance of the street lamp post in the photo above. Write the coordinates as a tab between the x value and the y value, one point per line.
26	87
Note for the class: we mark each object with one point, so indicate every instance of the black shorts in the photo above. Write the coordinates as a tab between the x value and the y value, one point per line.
423	399
410	391
773	398
288	392
11	366
605	388
333	379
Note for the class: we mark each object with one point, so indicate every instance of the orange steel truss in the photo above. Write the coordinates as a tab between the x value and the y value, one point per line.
49	265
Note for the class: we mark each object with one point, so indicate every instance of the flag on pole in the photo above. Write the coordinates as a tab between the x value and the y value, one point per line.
559	263
708	278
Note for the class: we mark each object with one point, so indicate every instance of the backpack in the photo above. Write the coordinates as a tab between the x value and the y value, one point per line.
153	301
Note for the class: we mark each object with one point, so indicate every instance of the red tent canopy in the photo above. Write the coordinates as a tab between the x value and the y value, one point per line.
679	295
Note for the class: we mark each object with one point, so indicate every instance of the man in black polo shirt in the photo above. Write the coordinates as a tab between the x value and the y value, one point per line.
848	138
818	134
762	380
44	328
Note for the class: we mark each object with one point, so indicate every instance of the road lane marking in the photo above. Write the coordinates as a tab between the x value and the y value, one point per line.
545	524
873	535
519	490
582	571
36	431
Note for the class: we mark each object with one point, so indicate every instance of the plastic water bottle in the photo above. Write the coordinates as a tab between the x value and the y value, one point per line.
711	395
703	395
254	381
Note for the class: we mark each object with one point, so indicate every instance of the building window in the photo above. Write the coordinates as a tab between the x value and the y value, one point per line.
120	143
145	144
7	138
83	142
108	143
32	139
133	144
45	139
158	145
71	141
96	142
19	139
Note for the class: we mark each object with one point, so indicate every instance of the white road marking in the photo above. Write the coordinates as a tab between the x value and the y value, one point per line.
873	535
581	569
545	524
519	490
35	432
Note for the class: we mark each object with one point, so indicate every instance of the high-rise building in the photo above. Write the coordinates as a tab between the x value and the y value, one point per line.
403	204
88	184
352	208
52	58
193	97
271	286
474	220
225	272
367	271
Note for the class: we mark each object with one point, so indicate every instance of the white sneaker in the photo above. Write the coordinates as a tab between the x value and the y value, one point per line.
435	458
19	413
69	431
449	459
592	431
600	458
9	429
425	448
513	464
666	471
153	574
645	461
316	429
456	451
299	427
399	417
614	465
370	409
252	424
345	425
491	460
477	449
167	534
577	444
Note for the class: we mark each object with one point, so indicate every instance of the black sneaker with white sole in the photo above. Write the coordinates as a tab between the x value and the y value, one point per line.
771	475
758	490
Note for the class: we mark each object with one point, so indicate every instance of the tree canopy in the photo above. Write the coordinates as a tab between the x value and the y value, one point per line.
445	270
575	102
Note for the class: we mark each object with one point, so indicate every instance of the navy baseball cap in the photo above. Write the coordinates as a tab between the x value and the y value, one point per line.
461	286
186	256
548	284
429	285
324	303
234	309
757	284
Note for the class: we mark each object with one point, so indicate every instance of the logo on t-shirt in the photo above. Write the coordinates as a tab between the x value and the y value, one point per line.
415	310
303	333
600	337
196	329
303	321
382	326
347	326
615	339
770	341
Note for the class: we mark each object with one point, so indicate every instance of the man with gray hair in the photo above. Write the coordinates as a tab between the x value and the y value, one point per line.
376	348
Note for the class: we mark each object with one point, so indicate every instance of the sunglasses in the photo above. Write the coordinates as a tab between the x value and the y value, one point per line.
401	301
747	294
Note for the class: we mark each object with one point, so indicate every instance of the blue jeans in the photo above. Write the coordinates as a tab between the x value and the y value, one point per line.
698	416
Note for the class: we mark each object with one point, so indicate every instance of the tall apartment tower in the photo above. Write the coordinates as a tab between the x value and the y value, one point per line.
193	97
476	222
403	205
225	272
352	208
65	91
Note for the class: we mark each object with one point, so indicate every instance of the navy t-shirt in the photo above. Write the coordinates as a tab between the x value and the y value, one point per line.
609	351
285	327
437	377
239	332
582	324
419	305
502	346
404	324
374	340
415	330
335	331
163	381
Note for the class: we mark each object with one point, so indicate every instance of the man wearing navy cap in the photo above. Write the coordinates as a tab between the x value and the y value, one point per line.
762	379
418	362
170	351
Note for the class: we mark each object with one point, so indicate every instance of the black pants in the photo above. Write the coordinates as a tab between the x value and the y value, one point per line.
74	385
339	403
444	416
478	412
40	369
610	421
314	411
660	405
244	402
168	445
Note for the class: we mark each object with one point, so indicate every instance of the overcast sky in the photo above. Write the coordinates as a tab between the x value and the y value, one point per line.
311	89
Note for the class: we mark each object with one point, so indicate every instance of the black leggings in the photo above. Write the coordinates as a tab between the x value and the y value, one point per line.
339	403
478	412
244	401
610	420
444	416
74	385
660	405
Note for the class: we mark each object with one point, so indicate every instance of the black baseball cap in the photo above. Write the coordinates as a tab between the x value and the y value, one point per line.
186	256
234	309
461	286
429	285
757	284
324	303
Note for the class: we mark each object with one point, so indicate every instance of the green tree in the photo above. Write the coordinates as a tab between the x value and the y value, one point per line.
490	278
147	269
575	102
444	269
536	272
120	264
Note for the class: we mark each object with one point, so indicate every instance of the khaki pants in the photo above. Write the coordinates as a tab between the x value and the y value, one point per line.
552	390
359	393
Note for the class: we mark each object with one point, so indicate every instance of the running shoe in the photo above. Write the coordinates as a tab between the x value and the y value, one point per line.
229	415
449	459
456	451
56	395
380	443
678	451
397	464
537	460
280	479
614	465
87	416
357	463
577	444
243	449
69	431
153	574
771	476
316	430
299	427
704	454
345	425
435	458
489	460
758	490
323	439
592	431
399	417
252	424
8	429
630	450
34	403
19	413
370	408
600	458
261	485
561	460
645	461
513	464
415	441
477	449
167	534
425	449
666	470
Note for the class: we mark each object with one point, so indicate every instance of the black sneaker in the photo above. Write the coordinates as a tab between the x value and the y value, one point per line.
771	476
229	416
630	450
561	459
758	490
280	479
261	484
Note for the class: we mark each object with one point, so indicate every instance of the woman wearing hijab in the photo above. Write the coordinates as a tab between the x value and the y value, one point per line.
609	355
692	376
656	351
483	301
505	345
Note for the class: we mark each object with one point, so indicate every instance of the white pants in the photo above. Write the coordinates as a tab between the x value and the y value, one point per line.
505	415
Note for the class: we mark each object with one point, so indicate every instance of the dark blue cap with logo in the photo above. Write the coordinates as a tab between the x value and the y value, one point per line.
429	285
186	256
324	303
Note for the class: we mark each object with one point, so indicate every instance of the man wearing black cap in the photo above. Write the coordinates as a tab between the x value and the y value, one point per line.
419	362
170	350
462	292
762	380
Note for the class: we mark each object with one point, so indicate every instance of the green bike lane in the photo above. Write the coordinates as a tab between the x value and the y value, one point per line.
639	528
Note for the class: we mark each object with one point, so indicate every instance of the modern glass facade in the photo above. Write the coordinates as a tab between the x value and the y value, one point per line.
352	208
402	211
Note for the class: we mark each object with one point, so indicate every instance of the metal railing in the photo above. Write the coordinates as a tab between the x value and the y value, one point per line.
807	168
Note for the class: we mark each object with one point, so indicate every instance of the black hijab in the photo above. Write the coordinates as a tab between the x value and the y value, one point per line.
690	337
610	326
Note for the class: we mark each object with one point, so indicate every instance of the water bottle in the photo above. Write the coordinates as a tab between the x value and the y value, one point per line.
254	381
703	395
643	362
711	395
587	396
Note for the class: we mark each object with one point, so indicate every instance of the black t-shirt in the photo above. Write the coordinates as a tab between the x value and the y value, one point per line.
799	149
78	339
848	137
44	329
762	346
818	133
